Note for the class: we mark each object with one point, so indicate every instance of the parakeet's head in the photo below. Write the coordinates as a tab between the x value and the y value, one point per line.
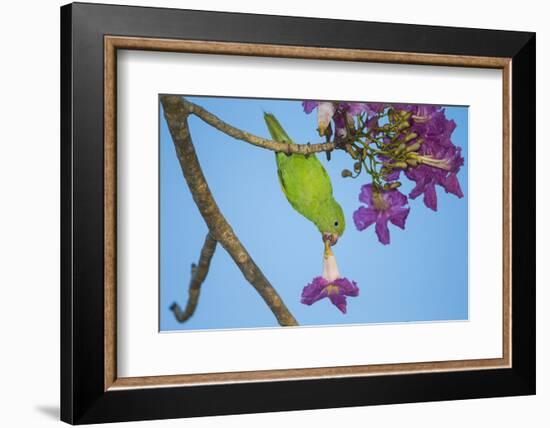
331	222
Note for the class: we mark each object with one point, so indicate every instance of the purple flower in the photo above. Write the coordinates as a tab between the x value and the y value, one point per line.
336	291
439	159
382	206
438	169
330	284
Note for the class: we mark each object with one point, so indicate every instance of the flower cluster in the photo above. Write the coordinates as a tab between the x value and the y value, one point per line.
439	159
390	142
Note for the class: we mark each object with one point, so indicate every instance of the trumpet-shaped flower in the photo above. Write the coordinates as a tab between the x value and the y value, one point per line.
330	284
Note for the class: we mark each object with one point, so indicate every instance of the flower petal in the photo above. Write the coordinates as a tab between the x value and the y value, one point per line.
382	230
340	129
325	111
330	268
347	287
339	300
314	291
398	216
395	198
417	175
364	217
452	185
430	197
356	108
366	194
309	106
393	175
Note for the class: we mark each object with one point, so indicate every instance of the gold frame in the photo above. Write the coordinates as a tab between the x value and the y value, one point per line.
113	43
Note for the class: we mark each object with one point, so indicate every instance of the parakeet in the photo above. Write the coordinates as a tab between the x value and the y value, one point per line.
307	186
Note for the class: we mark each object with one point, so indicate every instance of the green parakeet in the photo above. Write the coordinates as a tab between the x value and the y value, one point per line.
307	186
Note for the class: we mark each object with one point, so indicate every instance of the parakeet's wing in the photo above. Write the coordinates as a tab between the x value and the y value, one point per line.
281	181
304	182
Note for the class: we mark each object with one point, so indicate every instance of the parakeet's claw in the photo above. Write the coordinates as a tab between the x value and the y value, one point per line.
288	150
331	238
308	154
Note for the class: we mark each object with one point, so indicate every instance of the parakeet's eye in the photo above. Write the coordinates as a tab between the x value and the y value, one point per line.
335	224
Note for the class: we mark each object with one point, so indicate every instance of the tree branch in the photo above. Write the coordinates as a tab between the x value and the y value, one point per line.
176	114
198	275
186	107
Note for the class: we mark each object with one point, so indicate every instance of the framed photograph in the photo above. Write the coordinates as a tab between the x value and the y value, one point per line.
265	213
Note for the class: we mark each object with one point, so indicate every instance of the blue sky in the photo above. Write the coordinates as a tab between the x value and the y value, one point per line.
421	276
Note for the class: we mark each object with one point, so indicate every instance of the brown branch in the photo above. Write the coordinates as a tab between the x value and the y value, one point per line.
176	118
198	275
187	107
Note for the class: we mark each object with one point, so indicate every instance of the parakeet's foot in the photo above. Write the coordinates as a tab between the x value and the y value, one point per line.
308	154
288	150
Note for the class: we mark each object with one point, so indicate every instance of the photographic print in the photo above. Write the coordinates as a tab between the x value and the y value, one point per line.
323	207
332	212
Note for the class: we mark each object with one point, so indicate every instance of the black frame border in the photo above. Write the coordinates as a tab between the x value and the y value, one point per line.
83	399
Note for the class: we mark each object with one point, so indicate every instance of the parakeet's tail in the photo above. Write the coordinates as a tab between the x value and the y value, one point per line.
275	129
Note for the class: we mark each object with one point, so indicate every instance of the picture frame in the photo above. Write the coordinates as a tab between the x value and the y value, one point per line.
91	36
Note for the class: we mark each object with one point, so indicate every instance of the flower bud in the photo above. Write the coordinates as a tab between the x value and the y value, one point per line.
357	166
410	137
400	164
403	125
413	147
392	186
400	148
405	114
346	173
412	162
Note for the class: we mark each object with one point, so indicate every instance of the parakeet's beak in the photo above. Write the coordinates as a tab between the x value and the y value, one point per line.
331	238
